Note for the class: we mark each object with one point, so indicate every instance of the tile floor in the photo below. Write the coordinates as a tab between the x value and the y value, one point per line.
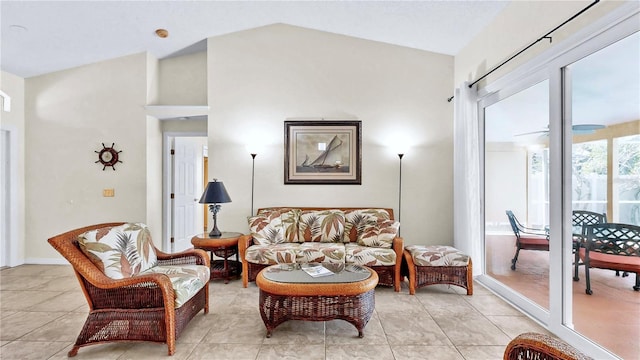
610	316
42	311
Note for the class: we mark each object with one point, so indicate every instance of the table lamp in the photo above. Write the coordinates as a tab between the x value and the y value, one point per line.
214	194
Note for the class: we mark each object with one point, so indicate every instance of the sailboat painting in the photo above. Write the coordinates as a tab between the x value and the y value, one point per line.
322	152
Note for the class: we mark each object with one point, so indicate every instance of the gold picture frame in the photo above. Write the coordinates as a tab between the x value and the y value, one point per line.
323	152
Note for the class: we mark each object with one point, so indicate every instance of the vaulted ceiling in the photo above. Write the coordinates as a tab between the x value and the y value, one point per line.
39	37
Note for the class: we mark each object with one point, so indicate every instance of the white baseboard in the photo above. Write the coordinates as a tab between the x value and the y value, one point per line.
46	261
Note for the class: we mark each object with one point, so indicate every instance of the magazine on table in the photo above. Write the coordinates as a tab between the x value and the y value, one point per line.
316	270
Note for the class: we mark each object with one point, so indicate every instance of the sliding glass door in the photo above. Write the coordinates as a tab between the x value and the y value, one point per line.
516	184
603	91
562	140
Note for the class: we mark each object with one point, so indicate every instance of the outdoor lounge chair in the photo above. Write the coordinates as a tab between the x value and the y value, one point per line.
527	238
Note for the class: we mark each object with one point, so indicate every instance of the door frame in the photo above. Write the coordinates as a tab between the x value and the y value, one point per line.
12	200
167	180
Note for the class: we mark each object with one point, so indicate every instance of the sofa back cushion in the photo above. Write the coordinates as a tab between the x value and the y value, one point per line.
121	251
357	219
290	220
379	233
266	228
321	225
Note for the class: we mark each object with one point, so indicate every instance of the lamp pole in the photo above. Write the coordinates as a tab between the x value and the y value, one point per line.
253	173
400	190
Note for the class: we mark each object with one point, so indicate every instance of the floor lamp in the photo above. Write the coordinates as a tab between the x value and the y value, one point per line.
400	155
253	173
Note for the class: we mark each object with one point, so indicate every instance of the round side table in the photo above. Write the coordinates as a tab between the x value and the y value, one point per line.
224	247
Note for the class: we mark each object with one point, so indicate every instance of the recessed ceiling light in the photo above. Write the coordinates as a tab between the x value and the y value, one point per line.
163	33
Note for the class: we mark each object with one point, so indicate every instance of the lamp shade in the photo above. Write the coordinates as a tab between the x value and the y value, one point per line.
215	193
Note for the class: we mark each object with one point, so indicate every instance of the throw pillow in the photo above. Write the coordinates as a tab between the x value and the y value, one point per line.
356	219
321	225
379	233
120	252
266	228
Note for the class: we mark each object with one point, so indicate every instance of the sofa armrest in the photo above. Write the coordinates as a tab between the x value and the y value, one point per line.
244	242
398	248
191	256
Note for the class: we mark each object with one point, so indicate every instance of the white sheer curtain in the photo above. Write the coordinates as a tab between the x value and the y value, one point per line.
466	173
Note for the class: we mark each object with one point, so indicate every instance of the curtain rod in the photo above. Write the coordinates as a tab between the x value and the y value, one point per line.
543	37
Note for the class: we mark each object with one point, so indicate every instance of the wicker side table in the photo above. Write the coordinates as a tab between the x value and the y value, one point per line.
317	299
224	247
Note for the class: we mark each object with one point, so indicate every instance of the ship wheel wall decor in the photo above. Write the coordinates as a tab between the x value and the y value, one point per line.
108	156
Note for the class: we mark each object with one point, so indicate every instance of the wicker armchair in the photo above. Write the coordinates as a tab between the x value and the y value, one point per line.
534	346
138	308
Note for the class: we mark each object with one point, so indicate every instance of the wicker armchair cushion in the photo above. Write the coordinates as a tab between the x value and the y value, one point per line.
321	226
356	219
186	280
369	256
379	233
437	255
121	251
313	252
284	253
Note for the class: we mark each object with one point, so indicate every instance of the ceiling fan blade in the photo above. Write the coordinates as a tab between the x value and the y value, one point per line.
586	128
533	132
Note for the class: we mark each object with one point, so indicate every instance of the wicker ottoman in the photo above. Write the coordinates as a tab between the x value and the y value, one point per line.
438	264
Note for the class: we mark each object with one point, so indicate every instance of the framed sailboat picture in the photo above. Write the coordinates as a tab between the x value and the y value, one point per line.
323	152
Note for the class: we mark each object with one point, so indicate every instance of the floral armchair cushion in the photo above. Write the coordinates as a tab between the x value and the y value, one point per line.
120	252
379	233
321	226
186	280
356	219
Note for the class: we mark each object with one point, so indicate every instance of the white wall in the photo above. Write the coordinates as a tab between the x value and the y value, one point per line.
183	80
153	153
14	121
259	78
68	115
505	182
518	25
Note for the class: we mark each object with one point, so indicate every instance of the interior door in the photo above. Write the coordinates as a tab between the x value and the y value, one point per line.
185	190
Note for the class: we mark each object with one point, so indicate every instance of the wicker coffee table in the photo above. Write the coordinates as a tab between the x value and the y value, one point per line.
289	293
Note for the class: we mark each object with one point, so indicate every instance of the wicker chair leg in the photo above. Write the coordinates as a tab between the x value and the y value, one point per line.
470	277
73	352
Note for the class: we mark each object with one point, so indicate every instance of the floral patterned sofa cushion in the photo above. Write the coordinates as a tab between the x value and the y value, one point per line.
378	233
321	226
290	220
186	280
120	252
356	219
266	228
369	256
284	253
437	255
313	252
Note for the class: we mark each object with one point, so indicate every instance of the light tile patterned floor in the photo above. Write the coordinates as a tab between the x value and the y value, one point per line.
42	310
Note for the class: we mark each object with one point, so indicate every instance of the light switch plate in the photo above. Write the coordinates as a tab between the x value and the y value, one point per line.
108	192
